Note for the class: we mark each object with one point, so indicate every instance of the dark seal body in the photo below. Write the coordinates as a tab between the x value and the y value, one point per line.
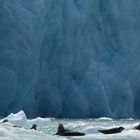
66	132
137	127
72	133
112	130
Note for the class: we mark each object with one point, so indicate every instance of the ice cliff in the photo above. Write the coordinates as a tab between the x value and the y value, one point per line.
70	58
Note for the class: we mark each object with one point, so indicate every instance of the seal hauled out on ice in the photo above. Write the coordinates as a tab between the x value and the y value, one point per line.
112	130
66	132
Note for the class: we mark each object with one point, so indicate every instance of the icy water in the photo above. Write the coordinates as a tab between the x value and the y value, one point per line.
90	127
48	126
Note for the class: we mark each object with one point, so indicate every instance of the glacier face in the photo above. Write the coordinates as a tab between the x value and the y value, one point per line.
70	58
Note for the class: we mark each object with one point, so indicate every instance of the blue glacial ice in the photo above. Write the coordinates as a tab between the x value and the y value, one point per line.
70	58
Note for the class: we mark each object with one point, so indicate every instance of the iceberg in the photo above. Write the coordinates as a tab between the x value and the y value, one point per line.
19	119
70	58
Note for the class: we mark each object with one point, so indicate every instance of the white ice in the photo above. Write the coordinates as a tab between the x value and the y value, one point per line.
48	126
8	132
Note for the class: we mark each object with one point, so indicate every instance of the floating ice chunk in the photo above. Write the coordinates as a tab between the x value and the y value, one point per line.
130	119
104	119
19	119
39	119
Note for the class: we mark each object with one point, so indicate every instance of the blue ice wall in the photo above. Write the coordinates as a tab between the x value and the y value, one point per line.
70	58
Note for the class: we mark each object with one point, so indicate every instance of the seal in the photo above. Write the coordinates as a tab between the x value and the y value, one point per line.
112	130
4	121
137	127
34	127
66	132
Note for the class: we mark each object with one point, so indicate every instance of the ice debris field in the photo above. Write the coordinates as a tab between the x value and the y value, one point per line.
48	126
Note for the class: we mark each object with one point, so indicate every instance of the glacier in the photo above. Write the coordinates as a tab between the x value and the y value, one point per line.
70	58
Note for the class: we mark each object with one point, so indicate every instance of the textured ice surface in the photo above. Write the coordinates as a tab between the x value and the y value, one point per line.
46	127
19	119
22	130
70	58
12	133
